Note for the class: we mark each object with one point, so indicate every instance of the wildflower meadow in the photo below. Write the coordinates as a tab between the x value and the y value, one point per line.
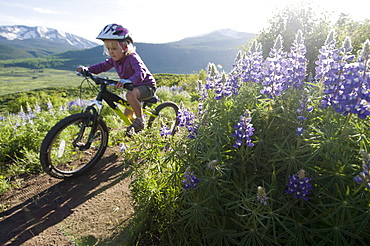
271	156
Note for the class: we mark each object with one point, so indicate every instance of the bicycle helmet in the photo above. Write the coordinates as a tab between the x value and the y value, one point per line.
114	32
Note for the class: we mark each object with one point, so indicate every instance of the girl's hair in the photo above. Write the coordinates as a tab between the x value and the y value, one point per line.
126	46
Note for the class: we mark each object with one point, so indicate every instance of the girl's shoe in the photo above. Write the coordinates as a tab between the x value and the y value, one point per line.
137	125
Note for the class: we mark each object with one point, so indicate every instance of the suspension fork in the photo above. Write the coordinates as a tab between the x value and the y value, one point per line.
93	114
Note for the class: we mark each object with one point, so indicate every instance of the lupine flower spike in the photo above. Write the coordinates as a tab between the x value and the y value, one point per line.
190	180
346	85
212	76
122	147
50	105
251	65
244	130
186	119
261	195
223	87
274	81
296	64
302	109
299	185
165	130
213	165
364	176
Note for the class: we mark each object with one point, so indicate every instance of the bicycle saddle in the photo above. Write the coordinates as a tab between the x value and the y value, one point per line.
154	99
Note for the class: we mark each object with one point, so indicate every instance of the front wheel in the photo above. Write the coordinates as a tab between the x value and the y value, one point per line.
165	118
66	150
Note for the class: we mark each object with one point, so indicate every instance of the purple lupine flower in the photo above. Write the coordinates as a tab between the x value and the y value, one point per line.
346	85
244	130
186	119
22	115
299	185
202	91
37	107
176	88
62	108
274	72
296	63
122	147
190	180
233	77
261	195
299	130
223	87
364	176
212	76
29	109
200	109
303	107
354	94
164	131
77	103
251	63
30	114
50	105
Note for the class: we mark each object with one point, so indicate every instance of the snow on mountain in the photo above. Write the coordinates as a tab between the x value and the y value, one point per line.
229	33
20	32
223	33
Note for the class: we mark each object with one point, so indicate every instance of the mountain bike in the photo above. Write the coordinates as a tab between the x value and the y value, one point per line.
76	143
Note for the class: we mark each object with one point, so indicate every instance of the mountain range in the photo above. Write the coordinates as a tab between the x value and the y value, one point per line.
181	57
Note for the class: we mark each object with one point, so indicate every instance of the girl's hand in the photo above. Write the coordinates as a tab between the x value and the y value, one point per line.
83	70
121	83
80	69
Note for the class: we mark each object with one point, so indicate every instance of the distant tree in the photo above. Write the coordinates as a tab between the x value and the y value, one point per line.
288	21
358	31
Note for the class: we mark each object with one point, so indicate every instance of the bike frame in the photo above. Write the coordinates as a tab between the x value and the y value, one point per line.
111	99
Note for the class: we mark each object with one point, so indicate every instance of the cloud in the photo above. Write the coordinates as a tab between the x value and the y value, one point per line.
45	11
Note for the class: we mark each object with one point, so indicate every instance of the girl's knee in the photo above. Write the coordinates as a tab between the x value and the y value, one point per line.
135	93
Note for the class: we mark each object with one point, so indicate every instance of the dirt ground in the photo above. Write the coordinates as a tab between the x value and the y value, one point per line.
87	210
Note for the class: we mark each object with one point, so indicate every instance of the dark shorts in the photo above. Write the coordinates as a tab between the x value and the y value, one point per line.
146	91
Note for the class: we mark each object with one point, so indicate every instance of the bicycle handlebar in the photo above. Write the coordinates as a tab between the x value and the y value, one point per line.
103	80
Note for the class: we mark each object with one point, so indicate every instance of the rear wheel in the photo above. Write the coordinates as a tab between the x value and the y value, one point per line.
166	118
65	151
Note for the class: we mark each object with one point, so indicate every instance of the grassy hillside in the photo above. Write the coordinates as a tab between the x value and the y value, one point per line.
16	79
10	52
33	47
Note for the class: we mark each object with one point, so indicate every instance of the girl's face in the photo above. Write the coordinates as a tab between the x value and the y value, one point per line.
114	49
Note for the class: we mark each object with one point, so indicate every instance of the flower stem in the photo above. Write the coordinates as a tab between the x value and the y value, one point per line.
349	116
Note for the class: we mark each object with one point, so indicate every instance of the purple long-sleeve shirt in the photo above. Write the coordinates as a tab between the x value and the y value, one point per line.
130	67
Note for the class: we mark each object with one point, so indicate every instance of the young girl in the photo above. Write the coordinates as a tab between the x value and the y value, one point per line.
131	69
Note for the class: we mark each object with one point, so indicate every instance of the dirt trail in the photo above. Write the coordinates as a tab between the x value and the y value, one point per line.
89	210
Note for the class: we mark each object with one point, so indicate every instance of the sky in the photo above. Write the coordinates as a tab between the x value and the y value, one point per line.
160	21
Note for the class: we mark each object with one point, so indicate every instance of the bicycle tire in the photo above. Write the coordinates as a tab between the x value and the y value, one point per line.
166	120
61	155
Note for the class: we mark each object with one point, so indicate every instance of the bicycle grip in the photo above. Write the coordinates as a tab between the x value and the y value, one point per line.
128	86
